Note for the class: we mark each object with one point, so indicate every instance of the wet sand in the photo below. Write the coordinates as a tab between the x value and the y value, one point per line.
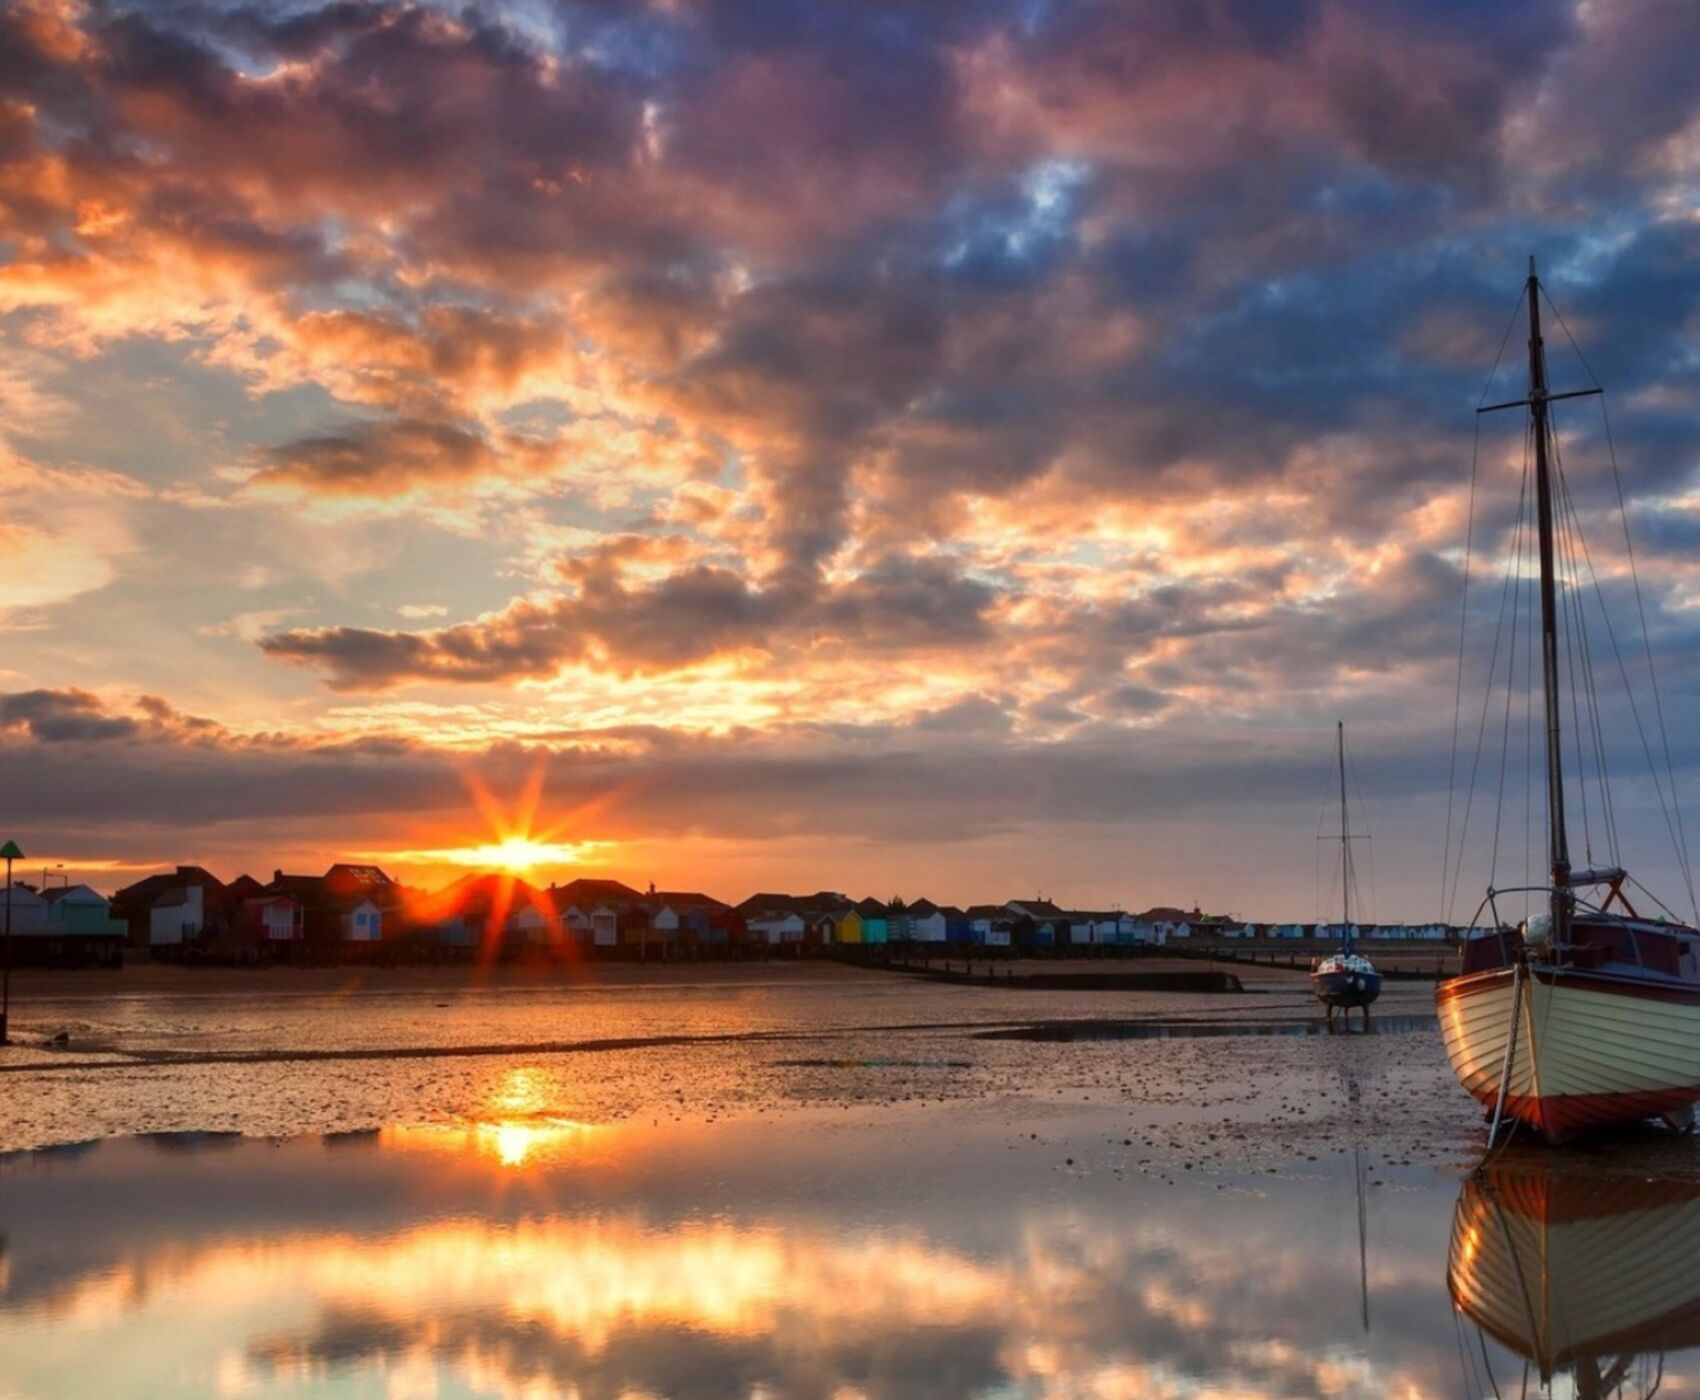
144	977
1196	1082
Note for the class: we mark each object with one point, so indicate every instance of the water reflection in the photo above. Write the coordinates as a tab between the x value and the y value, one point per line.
878	1256
520	1130
1590	1275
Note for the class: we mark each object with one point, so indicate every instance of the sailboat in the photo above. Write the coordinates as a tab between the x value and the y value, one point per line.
1588	1013
1345	979
1585	1275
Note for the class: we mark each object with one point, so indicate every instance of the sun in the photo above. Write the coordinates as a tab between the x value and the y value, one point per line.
517	855
515	843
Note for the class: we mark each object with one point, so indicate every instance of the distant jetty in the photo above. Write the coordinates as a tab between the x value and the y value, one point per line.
987	974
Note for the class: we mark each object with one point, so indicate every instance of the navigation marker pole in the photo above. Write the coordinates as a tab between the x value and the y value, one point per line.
11	852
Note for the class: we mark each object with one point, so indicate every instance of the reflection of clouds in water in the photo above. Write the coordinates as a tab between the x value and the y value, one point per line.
616	1305
862	1258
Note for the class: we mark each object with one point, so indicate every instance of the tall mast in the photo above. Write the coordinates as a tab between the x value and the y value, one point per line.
1560	847
1345	847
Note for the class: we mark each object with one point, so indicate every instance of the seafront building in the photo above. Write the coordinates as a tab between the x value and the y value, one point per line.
358	912
65	924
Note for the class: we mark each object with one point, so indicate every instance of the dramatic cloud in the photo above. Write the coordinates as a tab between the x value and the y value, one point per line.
1013	382
685	619
60	716
379	457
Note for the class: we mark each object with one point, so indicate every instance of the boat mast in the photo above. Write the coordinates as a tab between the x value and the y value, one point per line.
1345	848
1560	847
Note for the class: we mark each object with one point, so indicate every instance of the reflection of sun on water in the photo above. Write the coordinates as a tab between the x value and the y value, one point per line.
520	1128
519	1092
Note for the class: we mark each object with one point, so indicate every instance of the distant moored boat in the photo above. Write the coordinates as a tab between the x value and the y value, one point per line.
1345	979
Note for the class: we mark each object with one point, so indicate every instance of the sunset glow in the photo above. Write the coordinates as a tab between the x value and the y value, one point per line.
519	855
682	660
928	447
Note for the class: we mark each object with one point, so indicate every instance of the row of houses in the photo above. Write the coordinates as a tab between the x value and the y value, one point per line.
70	924
358	910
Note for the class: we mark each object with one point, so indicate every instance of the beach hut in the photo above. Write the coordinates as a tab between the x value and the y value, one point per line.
66	926
927	922
526	925
776	928
77	909
364	923
29	910
875	921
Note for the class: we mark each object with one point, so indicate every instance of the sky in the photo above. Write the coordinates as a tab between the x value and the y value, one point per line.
962	450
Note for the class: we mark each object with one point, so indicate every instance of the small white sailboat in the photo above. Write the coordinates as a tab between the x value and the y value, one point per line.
1345	979
1587	1014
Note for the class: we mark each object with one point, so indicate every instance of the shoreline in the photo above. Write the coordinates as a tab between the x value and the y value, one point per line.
160	978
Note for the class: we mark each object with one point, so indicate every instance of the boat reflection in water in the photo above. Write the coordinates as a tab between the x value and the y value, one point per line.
1591	1276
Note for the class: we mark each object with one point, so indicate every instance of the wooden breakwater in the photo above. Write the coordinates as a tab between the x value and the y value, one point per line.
969	974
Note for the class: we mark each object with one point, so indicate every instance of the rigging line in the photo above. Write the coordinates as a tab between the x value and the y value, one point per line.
1519	563
1529	770
1602	768
1568	598
1463	627
1656	900
1634	709
1640	601
1321	819
1466	1368
1336	877
1464	615
1647	644
1571	520
1369	842
1602	765
1488	1365
1487	693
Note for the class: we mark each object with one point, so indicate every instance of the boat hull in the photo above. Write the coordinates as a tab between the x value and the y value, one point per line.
1571	1272
1346	989
1591	1049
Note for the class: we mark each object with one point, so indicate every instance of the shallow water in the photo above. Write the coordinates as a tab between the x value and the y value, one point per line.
841	1191
895	1254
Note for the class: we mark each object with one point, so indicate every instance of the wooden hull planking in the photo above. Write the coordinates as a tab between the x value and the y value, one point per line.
1591	1049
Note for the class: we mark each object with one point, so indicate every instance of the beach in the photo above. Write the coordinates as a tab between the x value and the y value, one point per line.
758	1179
321	1050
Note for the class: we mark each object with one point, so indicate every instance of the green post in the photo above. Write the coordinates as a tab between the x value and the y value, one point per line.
11	852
